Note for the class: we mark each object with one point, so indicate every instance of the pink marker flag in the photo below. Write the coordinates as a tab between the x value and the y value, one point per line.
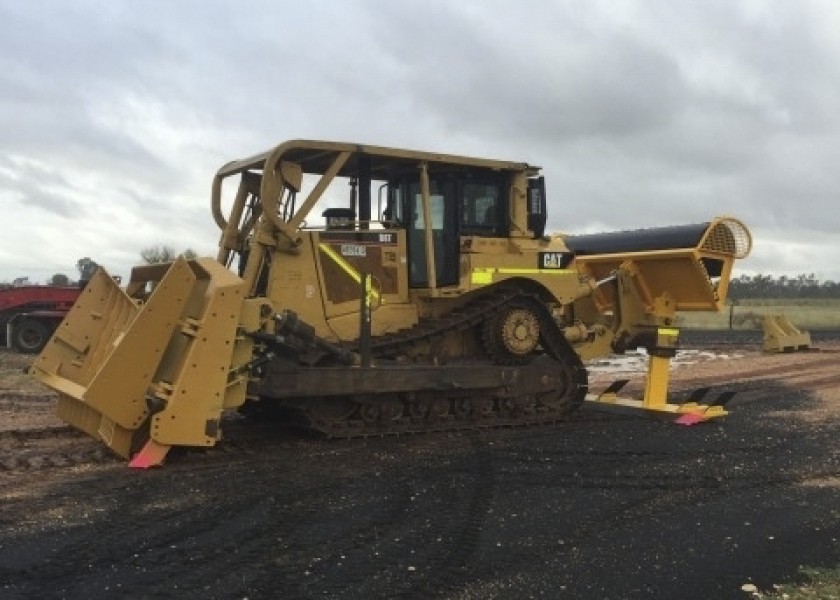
691	418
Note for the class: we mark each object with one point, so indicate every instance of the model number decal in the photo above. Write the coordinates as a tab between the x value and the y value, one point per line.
353	250
367	238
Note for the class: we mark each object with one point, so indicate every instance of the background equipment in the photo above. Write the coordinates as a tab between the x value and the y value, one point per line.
30	313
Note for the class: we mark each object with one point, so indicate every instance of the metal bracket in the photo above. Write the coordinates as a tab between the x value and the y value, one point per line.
655	397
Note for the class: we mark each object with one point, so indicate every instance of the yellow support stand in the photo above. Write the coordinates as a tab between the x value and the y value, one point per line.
656	383
655	397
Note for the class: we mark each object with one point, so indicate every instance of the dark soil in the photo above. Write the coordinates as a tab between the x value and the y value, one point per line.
607	505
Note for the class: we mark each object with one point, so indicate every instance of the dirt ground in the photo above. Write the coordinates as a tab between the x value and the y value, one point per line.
609	505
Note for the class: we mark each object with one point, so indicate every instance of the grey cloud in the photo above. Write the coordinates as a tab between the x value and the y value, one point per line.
474	81
35	186
639	112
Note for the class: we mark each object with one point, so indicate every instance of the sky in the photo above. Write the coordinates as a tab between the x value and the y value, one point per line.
114	115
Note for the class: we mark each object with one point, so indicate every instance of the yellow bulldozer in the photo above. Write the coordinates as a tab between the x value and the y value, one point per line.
425	296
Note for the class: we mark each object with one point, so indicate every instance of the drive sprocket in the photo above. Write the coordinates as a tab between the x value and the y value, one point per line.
511	336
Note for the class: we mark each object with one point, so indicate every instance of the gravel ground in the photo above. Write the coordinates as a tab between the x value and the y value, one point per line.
607	505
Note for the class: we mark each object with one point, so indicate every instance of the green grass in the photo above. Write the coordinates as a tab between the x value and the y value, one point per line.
819	582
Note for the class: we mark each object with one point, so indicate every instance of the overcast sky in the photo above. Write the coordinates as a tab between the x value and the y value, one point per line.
115	115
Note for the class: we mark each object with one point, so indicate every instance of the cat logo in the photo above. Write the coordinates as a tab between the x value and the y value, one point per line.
553	260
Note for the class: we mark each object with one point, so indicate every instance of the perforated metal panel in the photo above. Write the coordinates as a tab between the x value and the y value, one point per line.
727	236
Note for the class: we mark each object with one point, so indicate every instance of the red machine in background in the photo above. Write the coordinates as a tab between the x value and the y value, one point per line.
29	314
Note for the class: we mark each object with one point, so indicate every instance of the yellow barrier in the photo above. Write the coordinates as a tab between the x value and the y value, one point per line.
780	335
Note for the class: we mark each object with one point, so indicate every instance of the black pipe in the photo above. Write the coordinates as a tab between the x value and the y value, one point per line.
637	240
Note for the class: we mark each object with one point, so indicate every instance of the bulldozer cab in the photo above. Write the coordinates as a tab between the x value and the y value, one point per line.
466	204
429	203
408	206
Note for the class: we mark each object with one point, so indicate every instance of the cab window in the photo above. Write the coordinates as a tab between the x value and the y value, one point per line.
483	209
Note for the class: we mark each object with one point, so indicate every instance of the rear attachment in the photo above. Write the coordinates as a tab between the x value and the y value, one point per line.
661	348
647	276
154	365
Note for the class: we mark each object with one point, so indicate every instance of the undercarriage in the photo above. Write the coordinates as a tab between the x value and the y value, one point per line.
527	374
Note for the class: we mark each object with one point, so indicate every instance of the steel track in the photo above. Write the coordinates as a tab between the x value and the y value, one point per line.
451	410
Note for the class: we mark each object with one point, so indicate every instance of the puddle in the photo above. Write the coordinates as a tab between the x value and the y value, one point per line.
636	360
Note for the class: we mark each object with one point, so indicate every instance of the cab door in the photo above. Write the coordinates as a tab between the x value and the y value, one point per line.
445	235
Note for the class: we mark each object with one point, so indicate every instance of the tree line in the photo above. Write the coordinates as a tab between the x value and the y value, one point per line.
87	266
805	285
